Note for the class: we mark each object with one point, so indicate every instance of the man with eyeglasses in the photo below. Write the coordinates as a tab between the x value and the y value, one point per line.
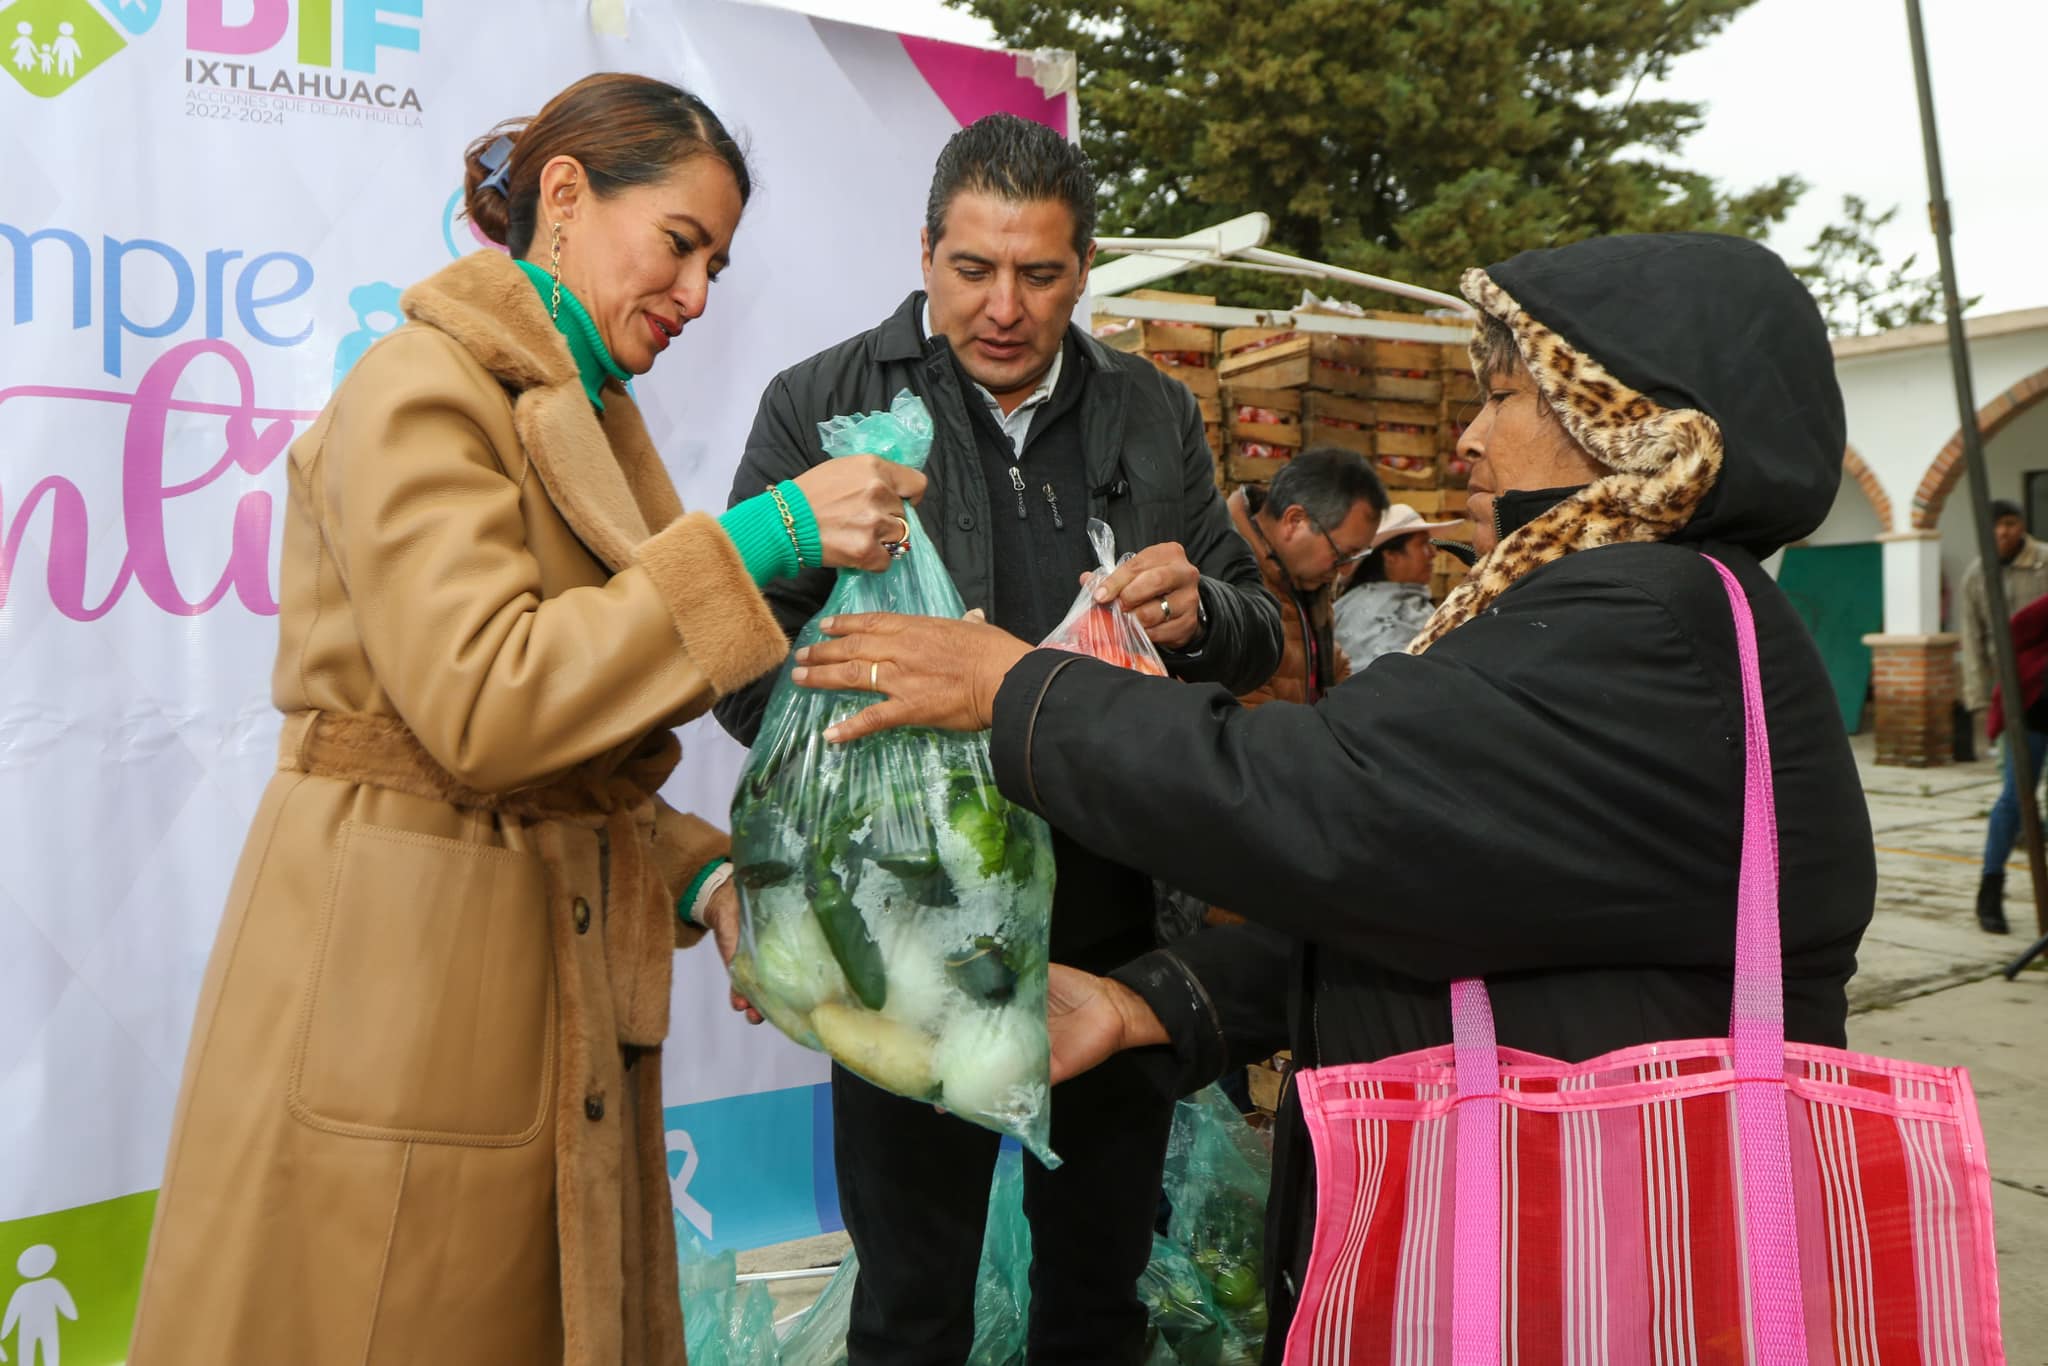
1315	520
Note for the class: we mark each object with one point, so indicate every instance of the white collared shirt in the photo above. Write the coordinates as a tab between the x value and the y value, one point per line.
1016	423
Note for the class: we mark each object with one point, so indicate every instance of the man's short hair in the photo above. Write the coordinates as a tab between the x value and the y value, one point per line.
1326	483
1017	161
2002	508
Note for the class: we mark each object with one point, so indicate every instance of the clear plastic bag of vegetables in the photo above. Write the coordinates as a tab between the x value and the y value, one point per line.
1103	630
896	905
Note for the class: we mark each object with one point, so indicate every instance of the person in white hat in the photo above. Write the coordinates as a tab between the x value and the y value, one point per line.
1387	603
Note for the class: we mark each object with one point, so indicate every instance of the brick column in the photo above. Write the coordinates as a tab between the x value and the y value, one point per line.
1915	686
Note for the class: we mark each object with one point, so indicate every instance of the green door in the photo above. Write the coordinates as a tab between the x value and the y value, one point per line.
1839	590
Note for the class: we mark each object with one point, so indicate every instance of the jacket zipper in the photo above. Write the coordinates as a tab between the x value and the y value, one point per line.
1017	483
1052	500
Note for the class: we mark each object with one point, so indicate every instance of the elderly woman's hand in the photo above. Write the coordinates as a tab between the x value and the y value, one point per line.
933	672
1091	1019
858	501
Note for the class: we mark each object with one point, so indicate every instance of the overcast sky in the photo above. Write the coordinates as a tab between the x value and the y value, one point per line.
1824	89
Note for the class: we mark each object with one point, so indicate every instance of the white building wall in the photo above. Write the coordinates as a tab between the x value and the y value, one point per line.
1901	408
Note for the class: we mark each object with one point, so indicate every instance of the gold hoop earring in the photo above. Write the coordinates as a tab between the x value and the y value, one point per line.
555	271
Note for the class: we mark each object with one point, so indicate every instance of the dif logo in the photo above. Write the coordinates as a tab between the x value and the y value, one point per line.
365	27
48	46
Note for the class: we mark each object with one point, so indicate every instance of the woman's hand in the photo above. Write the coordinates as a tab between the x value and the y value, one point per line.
722	918
933	672
1091	1019
858	501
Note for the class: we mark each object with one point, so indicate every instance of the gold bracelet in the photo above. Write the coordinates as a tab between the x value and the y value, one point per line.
788	523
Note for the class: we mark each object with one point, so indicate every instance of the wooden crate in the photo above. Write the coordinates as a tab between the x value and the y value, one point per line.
1433	505
1167	296
1143	335
1268	416
1253	467
1414	445
1406	388
1394	477
1200	379
1212	410
1363	367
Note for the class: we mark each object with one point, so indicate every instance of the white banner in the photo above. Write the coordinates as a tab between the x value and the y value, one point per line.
207	212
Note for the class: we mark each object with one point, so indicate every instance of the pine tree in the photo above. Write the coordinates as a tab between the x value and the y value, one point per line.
1406	139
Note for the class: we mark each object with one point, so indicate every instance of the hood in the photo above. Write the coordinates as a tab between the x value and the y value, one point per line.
1716	324
1695	369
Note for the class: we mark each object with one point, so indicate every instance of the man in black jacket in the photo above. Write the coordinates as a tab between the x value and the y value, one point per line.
1549	794
1037	429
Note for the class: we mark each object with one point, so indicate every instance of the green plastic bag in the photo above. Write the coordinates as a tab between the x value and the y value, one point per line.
1002	1288
1218	1173
819	1337
896	905
724	1323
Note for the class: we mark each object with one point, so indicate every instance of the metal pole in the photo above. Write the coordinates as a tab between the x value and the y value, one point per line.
1980	491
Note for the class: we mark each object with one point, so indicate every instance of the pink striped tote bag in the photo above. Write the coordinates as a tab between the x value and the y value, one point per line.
1710	1201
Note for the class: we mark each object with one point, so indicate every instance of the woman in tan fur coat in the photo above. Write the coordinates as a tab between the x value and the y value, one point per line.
421	1112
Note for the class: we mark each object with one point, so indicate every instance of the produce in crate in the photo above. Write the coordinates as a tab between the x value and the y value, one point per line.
896	905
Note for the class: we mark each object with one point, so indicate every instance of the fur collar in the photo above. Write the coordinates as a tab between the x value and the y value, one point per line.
602	473
1662	463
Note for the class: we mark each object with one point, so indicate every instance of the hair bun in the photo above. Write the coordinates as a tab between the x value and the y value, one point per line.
488	206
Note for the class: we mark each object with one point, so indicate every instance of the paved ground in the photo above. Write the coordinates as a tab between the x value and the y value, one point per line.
1928	988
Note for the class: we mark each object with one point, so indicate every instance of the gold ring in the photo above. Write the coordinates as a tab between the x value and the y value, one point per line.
1165	608
875	676
898	540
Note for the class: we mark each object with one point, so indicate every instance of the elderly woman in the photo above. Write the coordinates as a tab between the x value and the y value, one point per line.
421	1112
1548	792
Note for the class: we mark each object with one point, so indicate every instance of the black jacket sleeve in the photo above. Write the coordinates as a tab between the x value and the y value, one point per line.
1221	995
1243	646
1557	783
779	447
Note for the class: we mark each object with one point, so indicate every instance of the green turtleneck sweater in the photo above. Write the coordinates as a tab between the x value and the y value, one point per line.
755	525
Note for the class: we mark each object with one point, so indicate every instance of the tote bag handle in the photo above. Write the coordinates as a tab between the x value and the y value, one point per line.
1757	1027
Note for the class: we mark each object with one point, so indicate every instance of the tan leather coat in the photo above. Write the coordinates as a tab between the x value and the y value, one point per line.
421	1112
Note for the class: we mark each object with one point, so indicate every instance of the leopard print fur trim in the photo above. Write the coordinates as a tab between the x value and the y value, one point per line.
1663	462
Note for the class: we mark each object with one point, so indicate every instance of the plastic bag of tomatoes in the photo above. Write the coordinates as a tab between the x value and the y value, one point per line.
1103	630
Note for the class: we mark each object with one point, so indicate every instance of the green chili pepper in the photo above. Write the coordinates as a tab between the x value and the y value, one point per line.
847	932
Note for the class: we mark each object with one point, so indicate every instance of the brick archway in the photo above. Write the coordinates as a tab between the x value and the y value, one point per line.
1880	502
1941	477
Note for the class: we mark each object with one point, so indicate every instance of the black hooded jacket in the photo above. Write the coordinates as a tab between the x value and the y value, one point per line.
1550	797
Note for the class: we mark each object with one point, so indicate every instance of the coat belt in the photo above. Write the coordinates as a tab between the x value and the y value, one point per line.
639	910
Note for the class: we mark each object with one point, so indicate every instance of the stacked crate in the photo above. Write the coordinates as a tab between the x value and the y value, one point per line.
1285	391
1441	505
1186	351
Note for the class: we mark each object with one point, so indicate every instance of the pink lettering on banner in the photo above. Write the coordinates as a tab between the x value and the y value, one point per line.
972	82
207	29
253	439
